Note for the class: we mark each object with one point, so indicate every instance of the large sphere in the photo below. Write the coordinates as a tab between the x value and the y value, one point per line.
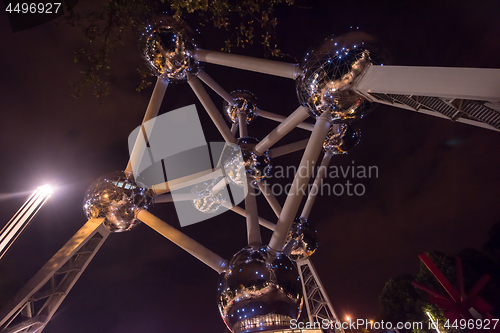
341	138
302	240
257	167
117	199
259	291
244	102
207	201
329	72
169	51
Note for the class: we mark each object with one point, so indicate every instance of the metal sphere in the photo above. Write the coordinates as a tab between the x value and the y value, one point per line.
207	201
245	102
341	138
260	291
302	240
257	167
329	71
117	198
169	51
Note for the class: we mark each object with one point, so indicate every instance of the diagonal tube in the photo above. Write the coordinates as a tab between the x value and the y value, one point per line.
279	118
287	149
151	112
209	106
300	181
186	243
271	199
316	186
240	211
277	68
202	75
282	129
252	215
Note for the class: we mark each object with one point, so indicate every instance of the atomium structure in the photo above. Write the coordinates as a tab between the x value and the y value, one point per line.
263	287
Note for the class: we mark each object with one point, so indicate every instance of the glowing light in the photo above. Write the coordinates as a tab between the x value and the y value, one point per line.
16	225
46	189
433	323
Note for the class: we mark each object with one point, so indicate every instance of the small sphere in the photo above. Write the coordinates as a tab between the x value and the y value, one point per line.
207	201
245	102
341	138
329	71
117	198
257	167
302	240
169	51
260	291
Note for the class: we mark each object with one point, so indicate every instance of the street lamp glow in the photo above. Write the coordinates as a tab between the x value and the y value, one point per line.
46	189
20	220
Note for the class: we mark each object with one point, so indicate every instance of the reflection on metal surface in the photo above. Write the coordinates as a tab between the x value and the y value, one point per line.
256	166
259	291
341	138
208	201
169	51
245	102
117	198
302	240
329	72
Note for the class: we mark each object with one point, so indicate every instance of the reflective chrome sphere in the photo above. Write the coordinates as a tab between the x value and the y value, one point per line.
328	73
255	166
169	51
302	240
207	201
117	198
244	102
259	291
341	138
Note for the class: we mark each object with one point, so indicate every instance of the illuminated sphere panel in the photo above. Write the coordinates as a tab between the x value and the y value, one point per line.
257	167
259	291
169	52
341	138
328	73
117	199
207	201
302	240
244	101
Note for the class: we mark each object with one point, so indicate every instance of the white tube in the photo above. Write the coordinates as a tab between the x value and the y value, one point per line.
186	243
238	210
253	229
299	185
202	75
167	197
271	199
287	149
283	129
234	128
277	68
151	112
316	186
212	111
280	118
181	182
242	123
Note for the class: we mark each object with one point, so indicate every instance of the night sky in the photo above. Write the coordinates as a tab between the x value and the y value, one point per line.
437	186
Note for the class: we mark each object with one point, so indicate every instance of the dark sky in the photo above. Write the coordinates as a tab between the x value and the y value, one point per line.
437	188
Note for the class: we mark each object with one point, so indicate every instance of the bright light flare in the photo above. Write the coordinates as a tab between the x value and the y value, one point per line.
46	189
432	321
20	220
